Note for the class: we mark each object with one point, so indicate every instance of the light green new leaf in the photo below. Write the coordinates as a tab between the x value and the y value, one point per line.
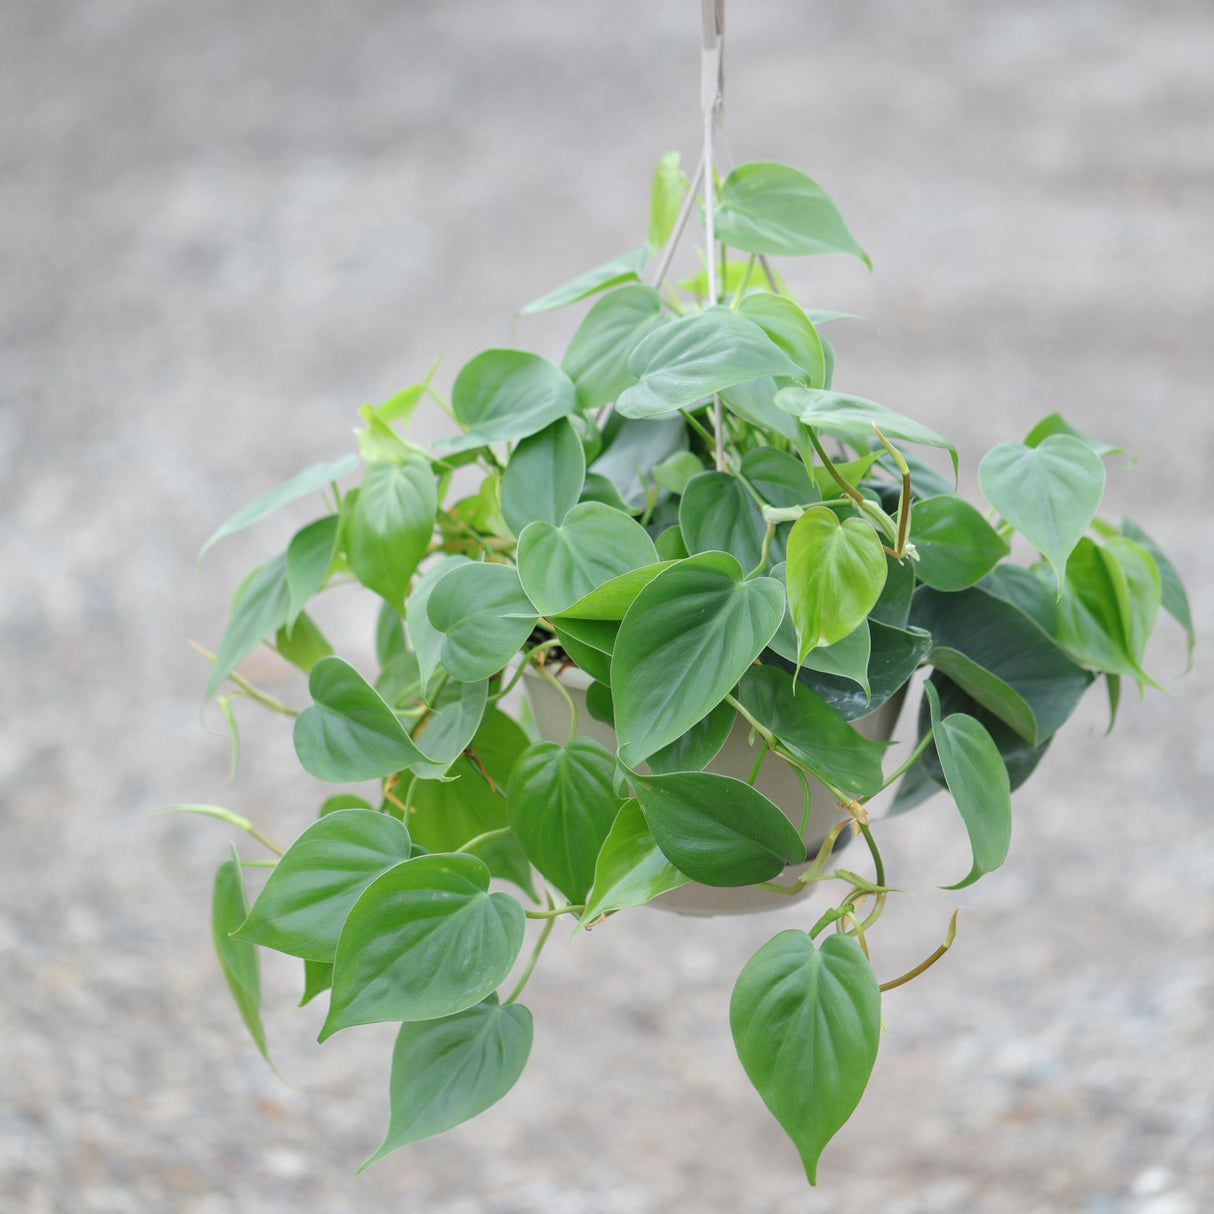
259	609
312	888
446	1071
484	617
717	830
304	644
1056	424
237	959
687	639
978	781
426	640
835	574
349	732
309	556
806	1023
505	395
788	326
562	803
390	526
690	358
716	514
611	599
956	545
665	198
774	209
560	565
544	477
676	471
597	357
425	939
310	480
1050	493
631	869
626	268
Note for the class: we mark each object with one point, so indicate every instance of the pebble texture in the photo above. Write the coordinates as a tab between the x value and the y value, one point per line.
226	225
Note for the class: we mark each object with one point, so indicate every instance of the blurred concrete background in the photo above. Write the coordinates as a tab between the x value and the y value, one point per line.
225	225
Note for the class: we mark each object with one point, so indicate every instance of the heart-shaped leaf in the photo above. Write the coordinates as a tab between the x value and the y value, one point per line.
505	395
446	1071
597	357
632	448
611	599
717	830
544	477
309	555
312	888
562	803
956	545
716	514
1050	493
784	322
426	640
806	1023
665	198
687	639
425	939
484	617
774	209
1174	600
624	268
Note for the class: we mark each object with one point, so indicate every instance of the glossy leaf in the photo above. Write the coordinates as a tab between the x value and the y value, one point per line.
425	939
561	805
894	604
774	209
585	646
956	545
698	746
318	978
310	480
812	731
1024	589
682	362
806	1023
631	869
718	830
237	959
312	888
448	729
349	733
780	479
597	357
304	645
788	326
446	1071
686	640
665	198
259	609
427	641
716	514
505	395
978	782
544	477
390	526
1050	493
625	268
309	555
484	616
835	574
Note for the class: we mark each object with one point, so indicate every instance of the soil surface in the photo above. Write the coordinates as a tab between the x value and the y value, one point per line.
224	226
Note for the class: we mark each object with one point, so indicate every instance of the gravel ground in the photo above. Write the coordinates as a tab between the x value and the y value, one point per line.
225	225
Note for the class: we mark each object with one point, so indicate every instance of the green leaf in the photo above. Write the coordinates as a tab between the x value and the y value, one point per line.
446	1071
956	545
349	733
979	784
318	978
505	395
599	488
1174	600
560	565
389	634
631	869
718	830
626	268
304	645
670	184
425	939
237	959
309	556
312	888
676	471
670	545
597	357
774	209
588	655
727	284
1002	658
806	1023
852	418
852	471
784	322
716	514
779	479
1050	493
691	357
561	804
893	607
754	402
484	617
544	477
687	639
390	526
1024	589
633	447
310	480
698	746
1055	424
835	574
812	731
454	718
259	609
427	641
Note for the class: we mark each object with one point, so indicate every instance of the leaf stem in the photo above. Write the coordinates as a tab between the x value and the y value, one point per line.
550	678
554	911
528	655
754	771
767	535
737	295
849	489
695	425
254	693
498	833
924	965
535	955
920	747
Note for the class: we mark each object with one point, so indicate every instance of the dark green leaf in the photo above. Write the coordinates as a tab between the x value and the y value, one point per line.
956	545
893	606
237	959
670	545
1023	589
544	477
318	978
597	357
484	617
716	514
309	555
698	746
625	268
427	641
304	644
791	330
259	609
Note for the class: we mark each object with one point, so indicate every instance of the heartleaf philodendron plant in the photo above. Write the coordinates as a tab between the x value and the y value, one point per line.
687	512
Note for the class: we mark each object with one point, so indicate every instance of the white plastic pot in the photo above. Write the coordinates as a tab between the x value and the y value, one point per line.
776	780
